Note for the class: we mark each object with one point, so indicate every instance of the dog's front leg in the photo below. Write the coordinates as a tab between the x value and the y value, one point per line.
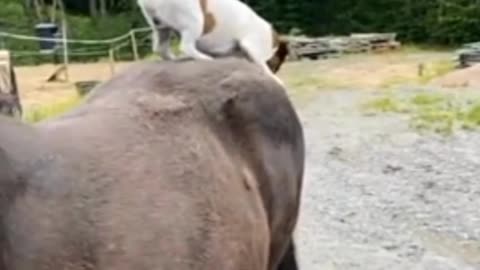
153	23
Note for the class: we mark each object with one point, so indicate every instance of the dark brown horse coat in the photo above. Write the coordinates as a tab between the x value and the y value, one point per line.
175	166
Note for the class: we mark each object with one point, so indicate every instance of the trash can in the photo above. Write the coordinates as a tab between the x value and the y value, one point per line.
47	30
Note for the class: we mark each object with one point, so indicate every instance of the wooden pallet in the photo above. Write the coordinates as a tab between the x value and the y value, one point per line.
326	47
469	55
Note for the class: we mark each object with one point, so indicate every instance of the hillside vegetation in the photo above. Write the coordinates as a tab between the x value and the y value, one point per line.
446	22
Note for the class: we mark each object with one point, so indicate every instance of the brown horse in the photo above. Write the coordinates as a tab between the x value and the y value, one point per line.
192	165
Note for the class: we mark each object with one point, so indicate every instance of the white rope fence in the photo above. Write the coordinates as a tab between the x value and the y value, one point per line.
90	48
76	41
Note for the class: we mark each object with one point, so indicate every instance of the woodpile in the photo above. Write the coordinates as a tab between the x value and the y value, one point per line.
327	47
469	55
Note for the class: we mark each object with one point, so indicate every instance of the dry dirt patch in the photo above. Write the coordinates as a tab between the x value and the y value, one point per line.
304	78
359	71
35	90
468	77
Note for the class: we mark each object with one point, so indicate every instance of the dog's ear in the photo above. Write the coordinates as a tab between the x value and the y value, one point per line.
279	56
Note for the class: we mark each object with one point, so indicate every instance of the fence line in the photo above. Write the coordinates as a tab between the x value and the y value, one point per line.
95	51
76	41
91	47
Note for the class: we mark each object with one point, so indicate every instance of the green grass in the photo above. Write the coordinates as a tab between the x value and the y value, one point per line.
317	82
440	113
435	70
39	113
394	81
384	104
427	99
430	71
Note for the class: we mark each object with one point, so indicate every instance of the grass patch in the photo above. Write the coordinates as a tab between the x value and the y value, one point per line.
384	104
303	87
393	81
435	70
424	99
473	114
317	82
43	112
418	48
425	74
440	113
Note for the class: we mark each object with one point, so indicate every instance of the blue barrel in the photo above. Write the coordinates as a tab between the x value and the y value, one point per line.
47	30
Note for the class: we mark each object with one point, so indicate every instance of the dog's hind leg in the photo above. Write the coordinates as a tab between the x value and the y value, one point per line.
164	37
188	44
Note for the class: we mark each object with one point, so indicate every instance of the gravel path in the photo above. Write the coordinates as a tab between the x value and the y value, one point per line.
380	196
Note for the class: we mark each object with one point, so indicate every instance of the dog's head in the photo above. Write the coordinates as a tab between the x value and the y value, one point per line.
280	55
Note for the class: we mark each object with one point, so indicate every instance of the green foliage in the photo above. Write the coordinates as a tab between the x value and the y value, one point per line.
447	22
384	104
46	111
426	21
436	112
16	17
435	70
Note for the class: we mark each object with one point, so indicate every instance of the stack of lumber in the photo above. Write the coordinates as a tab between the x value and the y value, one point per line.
469	55
312	48
378	41
333	46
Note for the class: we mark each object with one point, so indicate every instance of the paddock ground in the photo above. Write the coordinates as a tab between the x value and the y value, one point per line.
378	194
356	71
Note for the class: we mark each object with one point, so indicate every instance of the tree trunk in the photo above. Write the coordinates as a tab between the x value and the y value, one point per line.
38	10
103	7
93	8
28	9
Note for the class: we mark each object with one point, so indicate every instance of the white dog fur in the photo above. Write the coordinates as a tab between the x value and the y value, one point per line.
212	27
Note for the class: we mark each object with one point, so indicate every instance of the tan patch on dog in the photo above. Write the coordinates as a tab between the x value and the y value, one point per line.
209	21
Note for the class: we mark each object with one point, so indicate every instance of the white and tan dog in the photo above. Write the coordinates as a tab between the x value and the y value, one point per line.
211	28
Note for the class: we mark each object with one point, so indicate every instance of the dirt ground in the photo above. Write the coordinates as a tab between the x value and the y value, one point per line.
35	90
377	195
468	77
359	72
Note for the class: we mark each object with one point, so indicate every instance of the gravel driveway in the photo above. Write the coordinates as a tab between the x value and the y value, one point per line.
380	196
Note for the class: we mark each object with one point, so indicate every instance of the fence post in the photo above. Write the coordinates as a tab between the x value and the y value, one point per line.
65	48
111	56
134	45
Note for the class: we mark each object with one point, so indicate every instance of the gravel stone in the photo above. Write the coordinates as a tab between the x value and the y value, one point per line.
378	195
